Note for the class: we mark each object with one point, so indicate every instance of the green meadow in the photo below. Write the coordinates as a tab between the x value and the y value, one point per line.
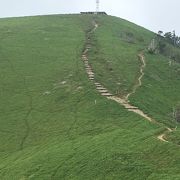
50	126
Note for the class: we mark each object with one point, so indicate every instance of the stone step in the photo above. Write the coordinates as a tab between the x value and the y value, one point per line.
91	77
88	69
106	94
103	91
97	83
87	65
101	88
131	108
90	73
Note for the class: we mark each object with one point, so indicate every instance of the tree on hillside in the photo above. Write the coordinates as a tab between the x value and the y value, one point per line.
168	36
160	33
172	38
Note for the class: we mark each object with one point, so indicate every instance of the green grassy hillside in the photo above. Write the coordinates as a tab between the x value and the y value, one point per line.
50	125
115	59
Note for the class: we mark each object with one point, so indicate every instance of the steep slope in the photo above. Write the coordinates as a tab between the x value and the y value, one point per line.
53	122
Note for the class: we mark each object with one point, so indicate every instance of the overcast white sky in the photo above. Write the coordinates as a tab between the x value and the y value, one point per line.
152	14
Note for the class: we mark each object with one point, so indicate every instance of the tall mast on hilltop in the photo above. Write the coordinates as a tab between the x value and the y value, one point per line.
97	6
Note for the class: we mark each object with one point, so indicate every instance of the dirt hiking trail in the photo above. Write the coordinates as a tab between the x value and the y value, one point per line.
137	85
122	101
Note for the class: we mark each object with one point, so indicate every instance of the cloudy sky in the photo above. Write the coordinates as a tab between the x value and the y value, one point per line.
152	14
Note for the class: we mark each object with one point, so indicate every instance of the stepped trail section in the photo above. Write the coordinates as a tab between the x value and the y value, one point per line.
123	101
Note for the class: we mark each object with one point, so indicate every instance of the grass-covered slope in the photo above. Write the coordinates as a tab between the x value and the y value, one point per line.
117	43
50	125
115	59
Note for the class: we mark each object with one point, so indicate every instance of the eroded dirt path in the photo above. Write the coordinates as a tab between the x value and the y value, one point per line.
123	101
139	82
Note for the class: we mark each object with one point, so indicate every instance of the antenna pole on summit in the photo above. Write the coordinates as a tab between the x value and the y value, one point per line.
97	6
